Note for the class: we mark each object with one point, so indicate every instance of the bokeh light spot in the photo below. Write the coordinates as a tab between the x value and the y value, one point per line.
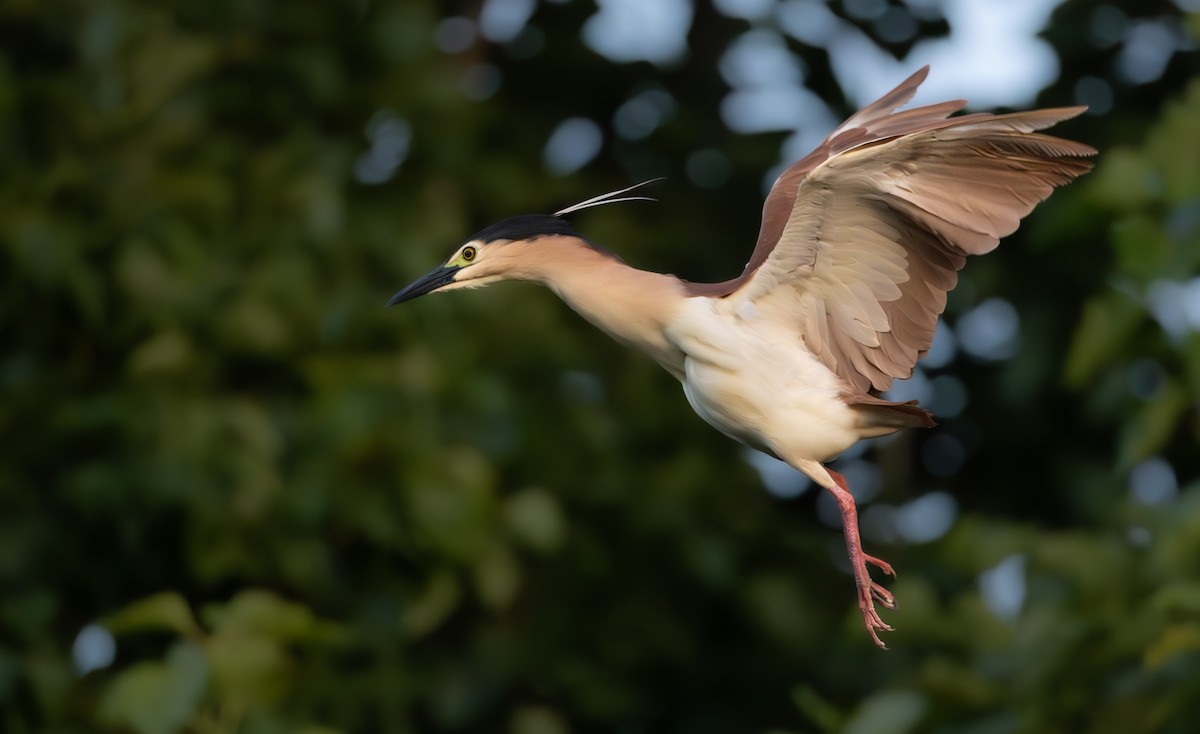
643	113
1109	25
94	648
1003	587
778	477
501	21
943	349
708	168
1149	45
926	518
390	136
455	35
635	30
949	396
896	25
916	388
865	9
1096	93
573	143
747	9
1153	482
989	331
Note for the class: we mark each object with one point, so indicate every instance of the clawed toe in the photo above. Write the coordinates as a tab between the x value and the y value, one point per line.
880	564
883	596
876	629
874	624
870	593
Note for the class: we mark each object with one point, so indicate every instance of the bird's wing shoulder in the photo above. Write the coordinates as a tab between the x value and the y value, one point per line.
876	230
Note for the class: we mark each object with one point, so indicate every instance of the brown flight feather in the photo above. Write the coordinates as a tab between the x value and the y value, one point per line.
862	239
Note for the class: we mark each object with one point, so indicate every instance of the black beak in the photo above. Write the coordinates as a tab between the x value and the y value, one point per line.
427	283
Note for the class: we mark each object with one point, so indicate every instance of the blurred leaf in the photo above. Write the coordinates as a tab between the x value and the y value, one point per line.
22	611
1087	562
1108	322
779	607
165	352
535	519
1150	430
952	680
249	669
1178	598
1175	639
1176	147
455	517
497	576
816	709
436	601
1143	249
164	611
889	712
1177	546
259	612
157	697
536	720
1126	179
1162	168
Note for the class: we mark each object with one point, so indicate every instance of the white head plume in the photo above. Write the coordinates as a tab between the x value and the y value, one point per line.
612	197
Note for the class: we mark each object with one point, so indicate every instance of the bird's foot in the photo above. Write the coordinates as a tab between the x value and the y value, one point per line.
869	591
882	595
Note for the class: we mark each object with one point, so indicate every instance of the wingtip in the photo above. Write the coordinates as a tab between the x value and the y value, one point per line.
897	97
1069	112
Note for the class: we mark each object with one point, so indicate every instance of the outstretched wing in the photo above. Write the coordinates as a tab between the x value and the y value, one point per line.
861	240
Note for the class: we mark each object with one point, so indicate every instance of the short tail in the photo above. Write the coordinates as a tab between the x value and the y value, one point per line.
879	417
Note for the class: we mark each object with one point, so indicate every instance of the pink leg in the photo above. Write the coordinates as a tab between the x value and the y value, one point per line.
868	591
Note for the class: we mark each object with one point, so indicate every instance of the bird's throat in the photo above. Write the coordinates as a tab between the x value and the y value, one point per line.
630	305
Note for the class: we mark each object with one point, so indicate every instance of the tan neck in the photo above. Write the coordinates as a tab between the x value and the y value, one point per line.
632	306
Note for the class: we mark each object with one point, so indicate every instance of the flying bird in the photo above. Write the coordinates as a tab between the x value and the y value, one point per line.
859	243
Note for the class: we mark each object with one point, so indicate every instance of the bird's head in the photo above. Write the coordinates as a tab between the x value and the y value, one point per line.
506	250
502	251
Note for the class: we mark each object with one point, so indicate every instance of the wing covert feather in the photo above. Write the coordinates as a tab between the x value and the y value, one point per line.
862	239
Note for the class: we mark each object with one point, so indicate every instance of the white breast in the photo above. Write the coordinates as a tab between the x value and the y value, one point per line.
755	381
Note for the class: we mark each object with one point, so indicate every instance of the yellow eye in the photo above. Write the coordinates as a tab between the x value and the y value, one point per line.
468	254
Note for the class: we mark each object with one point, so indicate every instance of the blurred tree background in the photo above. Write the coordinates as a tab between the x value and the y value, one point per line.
238	495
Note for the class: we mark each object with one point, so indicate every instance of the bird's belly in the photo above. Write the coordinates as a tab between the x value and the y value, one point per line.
787	417
767	391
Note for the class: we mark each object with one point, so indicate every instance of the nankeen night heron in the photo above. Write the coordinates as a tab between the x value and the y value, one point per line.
859	244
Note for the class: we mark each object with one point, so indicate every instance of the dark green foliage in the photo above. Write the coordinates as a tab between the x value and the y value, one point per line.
296	511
